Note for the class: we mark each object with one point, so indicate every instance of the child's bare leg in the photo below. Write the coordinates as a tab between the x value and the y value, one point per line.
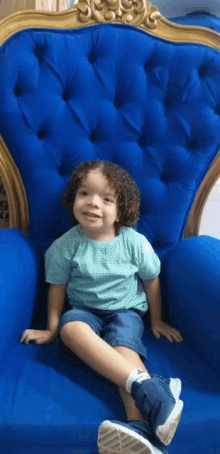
96	353
131	410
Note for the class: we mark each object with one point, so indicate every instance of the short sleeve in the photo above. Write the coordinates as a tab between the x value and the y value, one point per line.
148	261
57	266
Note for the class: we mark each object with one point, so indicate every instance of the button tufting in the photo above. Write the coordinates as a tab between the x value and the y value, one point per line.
93	137
39	52
168	102
202	71
17	91
217	110
62	170
65	96
142	141
41	134
148	66
164	177
91	58
192	144
117	103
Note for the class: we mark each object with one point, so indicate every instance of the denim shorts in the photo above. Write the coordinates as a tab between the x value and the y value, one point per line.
121	327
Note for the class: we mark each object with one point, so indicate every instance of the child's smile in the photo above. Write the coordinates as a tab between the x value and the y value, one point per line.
90	216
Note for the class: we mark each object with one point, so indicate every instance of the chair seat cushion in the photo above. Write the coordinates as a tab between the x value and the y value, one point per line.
55	404
52	400
197	432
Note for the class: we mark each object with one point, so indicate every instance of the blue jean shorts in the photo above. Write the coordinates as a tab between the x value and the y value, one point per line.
121	327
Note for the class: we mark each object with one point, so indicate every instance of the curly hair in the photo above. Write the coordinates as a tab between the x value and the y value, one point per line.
126	191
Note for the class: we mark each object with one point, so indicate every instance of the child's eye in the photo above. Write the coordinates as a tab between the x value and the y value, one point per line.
85	193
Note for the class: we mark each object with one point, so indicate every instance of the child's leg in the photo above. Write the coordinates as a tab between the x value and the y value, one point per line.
131	410
108	362
96	353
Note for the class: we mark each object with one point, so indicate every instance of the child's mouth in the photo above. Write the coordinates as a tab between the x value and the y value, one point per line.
91	216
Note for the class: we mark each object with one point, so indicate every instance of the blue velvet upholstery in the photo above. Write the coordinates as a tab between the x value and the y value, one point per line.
114	93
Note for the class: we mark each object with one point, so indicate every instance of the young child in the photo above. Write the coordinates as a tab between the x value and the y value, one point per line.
110	273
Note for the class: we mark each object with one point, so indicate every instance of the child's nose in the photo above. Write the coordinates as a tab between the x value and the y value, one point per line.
94	200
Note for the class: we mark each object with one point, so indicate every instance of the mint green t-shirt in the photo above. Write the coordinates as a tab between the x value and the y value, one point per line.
102	274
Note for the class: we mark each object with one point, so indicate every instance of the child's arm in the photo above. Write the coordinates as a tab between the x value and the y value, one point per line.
56	298
152	289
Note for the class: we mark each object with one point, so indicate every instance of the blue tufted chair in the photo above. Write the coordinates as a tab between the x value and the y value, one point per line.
118	82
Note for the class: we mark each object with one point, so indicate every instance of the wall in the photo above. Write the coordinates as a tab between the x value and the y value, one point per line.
178	8
210	224
10	6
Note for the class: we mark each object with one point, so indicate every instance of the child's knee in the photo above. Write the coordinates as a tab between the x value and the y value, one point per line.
67	331
71	330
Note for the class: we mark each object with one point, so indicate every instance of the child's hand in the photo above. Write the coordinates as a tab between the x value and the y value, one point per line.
166	330
38	336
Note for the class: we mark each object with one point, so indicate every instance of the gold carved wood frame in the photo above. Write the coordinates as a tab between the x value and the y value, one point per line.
139	13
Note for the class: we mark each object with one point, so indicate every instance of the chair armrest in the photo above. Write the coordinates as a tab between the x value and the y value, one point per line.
191	285
18	283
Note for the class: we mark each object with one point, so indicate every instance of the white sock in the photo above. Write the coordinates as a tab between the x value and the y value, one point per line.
136	375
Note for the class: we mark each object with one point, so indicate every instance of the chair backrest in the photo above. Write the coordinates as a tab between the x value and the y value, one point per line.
73	89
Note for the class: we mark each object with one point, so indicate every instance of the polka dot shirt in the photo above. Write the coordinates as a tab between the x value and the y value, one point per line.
102	274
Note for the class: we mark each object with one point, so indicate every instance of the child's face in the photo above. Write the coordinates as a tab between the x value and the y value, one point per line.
97	197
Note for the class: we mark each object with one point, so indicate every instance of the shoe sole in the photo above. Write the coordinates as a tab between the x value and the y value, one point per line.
117	439
166	432
175	387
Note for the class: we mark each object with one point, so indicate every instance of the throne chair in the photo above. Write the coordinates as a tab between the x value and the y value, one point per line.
111	80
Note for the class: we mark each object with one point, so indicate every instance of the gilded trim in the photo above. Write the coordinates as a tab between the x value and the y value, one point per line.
132	12
139	13
84	13
195	215
186	33
15	191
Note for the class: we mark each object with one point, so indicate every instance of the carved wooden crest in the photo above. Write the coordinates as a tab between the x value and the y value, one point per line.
132	12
